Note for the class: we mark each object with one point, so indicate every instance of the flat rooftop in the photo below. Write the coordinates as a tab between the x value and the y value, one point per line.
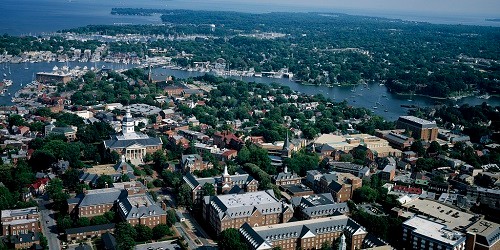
417	120
435	230
300	223
449	216
139	201
484	227
107	169
247	199
19	212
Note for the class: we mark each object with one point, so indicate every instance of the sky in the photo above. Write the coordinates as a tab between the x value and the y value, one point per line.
459	7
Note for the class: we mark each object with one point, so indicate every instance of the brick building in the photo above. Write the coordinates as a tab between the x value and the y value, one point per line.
233	210
317	206
20	221
286	178
227	139
340	185
190	163
224	184
310	235
83	233
483	235
420	129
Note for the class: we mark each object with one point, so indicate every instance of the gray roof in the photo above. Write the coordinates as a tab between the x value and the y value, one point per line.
23	238
88	177
102	196
244	205
396	137
138	206
415	121
116	142
319	205
285	176
109	241
266	235
90	228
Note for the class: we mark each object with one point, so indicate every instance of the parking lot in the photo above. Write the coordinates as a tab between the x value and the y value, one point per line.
163	245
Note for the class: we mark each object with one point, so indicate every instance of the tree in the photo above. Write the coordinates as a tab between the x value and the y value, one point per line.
125	235
58	196
99	220
243	155
160	230
231	239
418	148
365	194
171	217
43	241
104	181
184	197
125	178
208	189
143	233
83	222
64	222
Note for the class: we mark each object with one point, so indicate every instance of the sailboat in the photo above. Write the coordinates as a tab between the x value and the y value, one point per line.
411	97
9	71
26	65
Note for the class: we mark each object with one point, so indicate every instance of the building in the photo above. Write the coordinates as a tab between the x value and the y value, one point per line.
487	196
38	187
300	235
190	163
68	132
89	232
20	221
224	184
420	129
483	235
233	210
140	209
340	185
131	144
219	154
286	178
347	167
89	176
421	233
388	173
45	77
227	139
25	240
317	206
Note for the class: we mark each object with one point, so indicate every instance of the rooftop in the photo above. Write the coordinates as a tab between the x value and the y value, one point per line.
247	199
418	121
487	232
447	215
19	212
434	230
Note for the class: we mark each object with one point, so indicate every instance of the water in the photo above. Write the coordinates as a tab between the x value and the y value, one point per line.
37	16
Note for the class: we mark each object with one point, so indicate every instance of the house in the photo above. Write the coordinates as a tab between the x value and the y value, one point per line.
407	190
192	162
68	132
347	167
38	187
227	139
25	240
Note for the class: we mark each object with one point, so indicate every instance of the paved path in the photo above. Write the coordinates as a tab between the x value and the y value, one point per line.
49	228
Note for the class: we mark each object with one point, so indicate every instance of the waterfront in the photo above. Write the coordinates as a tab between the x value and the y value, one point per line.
362	96
35	17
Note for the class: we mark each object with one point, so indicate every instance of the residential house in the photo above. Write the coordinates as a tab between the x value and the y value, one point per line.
340	185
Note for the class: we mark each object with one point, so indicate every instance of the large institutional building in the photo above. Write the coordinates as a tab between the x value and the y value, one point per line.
133	145
129	199
422	233
419	128
233	210
20	221
309	234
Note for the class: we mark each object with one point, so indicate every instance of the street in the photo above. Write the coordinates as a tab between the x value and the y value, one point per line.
49	228
180	229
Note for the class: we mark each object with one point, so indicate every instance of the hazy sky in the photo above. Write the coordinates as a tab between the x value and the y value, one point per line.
489	7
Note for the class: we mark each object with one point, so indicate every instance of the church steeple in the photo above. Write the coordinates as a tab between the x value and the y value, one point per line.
342	244
286	144
225	175
127	123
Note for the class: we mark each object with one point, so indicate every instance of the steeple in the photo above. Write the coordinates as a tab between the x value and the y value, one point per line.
342	244
226	178
286	144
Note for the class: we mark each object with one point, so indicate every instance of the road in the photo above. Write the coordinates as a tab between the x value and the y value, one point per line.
183	233
49	227
198	231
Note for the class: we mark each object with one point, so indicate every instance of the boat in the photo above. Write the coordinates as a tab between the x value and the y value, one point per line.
375	107
386	110
485	96
7	82
4	75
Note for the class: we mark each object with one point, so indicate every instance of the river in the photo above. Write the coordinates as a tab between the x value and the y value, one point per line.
387	105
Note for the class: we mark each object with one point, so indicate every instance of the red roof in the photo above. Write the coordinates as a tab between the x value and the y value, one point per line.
408	190
39	183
